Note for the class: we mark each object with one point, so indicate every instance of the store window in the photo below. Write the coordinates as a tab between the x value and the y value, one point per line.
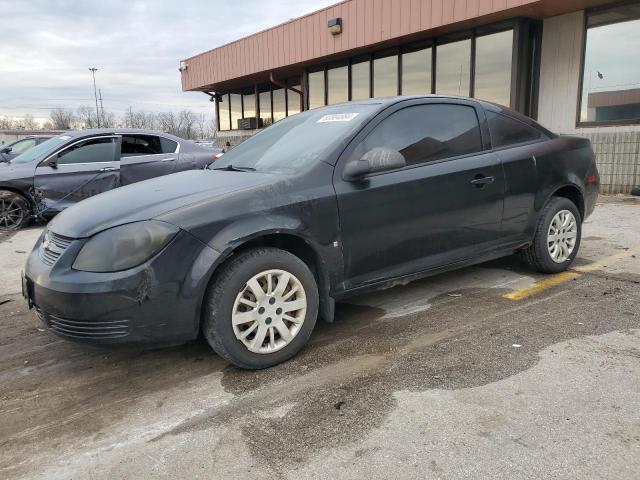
235	103
264	97
385	76
416	72
249	102
223	111
611	74
338	85
453	67
316	89
279	104
360	80
293	98
493	67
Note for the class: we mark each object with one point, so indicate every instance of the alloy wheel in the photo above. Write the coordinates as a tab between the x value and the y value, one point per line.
269	311
562	235
11	214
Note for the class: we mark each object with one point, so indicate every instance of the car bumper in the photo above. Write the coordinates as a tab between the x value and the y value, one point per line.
157	301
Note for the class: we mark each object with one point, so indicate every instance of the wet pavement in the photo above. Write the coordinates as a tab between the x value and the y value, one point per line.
442	378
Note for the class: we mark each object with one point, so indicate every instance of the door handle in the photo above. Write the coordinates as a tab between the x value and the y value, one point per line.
167	159
108	169
480	180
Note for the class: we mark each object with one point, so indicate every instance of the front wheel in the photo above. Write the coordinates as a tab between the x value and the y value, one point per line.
557	237
261	308
15	212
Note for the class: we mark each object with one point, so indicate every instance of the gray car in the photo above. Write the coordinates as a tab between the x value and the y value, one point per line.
76	165
18	147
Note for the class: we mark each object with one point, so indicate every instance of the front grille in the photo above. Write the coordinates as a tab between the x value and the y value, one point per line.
52	246
84	329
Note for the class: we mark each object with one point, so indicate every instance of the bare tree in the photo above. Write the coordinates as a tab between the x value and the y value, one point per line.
28	123
6	123
62	118
203	127
86	117
140	119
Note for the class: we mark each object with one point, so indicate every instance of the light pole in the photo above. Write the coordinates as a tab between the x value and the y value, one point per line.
93	71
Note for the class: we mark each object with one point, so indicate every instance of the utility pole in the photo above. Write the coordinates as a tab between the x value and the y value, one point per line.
101	106
93	71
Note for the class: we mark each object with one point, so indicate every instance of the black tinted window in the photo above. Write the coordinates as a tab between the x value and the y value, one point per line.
168	146
89	151
506	131
133	145
427	132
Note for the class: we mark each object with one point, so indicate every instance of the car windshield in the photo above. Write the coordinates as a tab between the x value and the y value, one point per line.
294	143
35	152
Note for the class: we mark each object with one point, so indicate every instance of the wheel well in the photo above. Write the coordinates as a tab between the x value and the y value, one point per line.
17	192
305	252
572	193
290	243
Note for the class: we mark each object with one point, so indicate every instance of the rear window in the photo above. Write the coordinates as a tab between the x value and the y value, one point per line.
138	145
506	131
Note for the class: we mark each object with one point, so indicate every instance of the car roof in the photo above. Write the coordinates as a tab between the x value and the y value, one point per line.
117	131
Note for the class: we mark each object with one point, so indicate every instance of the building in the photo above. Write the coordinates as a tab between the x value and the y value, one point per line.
571	64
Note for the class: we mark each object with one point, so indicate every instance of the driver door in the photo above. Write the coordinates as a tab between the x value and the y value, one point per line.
78	171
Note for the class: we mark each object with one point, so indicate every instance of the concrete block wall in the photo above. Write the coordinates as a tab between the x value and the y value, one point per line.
617	156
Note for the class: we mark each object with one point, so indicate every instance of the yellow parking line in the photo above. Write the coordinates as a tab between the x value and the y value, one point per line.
541	285
564	277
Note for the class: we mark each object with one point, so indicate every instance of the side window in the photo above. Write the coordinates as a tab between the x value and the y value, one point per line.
425	133
168	146
23	145
136	145
506	131
89	151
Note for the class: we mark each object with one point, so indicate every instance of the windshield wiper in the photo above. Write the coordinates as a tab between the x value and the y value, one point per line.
233	168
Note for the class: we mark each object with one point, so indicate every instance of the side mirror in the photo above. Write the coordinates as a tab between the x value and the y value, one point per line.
376	160
6	150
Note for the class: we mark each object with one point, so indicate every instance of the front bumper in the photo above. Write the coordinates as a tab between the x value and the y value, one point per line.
157	301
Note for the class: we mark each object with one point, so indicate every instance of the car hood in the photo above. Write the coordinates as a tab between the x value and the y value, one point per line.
150	199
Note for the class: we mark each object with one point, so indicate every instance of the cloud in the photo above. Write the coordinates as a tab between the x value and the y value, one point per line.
49	45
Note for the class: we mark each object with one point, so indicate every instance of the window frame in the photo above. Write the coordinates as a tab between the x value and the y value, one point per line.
485	136
543	135
583	56
55	154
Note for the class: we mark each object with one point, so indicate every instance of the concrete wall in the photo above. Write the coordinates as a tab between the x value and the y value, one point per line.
617	148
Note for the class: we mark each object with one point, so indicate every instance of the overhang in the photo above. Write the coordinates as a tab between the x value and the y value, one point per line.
366	25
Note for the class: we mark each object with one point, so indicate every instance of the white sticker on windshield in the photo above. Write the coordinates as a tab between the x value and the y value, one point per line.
338	117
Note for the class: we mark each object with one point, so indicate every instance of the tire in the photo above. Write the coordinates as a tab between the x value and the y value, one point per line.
234	284
15	211
538	255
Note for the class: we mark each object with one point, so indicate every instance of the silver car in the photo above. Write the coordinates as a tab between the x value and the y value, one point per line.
68	168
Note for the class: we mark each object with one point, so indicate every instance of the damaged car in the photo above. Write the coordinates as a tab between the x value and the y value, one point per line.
66	169
318	207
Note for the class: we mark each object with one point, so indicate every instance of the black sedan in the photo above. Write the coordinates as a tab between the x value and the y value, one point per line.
63	170
317	207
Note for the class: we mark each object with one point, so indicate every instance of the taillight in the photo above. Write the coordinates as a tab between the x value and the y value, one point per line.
217	156
592	179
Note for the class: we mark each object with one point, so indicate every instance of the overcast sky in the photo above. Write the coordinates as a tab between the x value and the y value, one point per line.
47	47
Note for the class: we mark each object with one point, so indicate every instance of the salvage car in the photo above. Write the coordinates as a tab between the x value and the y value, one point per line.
68	168
318	207
18	147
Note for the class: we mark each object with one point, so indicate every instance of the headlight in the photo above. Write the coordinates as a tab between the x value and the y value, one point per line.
124	247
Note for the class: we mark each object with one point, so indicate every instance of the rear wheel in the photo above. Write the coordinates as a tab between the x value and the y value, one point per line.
557	238
261	308
15	212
